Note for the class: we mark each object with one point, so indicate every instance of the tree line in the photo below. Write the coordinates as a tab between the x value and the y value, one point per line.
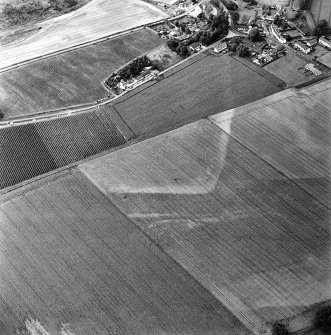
24	10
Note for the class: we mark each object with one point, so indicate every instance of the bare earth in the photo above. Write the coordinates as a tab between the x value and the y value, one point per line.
97	19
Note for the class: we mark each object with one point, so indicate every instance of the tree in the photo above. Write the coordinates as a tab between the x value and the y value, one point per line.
232	47
243	50
235	16
184	51
288	37
322	28
172	44
71	3
322	319
303	4
254	34
279	329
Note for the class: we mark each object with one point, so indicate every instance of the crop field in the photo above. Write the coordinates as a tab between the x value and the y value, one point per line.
296	136
71	260
221	201
286	68
70	78
205	85
326	59
95	20
321	9
29	150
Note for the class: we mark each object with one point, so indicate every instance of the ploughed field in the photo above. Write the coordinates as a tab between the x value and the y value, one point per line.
70	78
241	201
286	68
321	9
29	150
97	19
203	86
295	132
71	261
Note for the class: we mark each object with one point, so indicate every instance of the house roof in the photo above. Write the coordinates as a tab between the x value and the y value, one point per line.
301	45
324	40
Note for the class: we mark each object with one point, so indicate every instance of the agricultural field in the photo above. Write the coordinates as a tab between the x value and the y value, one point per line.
321	9
32	149
198	88
294	126
70	78
326	59
287	69
250	232
73	264
163	56
88	23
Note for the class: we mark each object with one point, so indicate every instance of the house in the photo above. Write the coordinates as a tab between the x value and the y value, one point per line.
310	67
221	47
302	47
195	47
312	42
326	43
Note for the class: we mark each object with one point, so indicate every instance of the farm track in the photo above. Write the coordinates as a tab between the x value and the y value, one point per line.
72	257
220	200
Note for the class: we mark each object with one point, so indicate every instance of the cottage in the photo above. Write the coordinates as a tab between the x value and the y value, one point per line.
221	47
310	67
312	42
302	47
326	43
195	47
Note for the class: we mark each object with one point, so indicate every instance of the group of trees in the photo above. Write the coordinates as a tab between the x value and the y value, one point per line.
216	3
251	2
322	28
255	35
129	71
235	16
230	4
24	10
217	26
236	45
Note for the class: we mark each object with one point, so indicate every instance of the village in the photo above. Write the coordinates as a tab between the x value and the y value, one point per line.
274	37
262	33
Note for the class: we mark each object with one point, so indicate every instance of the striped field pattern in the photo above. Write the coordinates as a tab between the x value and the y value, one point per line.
296	136
221	201
29	150
73	264
203	86
71	78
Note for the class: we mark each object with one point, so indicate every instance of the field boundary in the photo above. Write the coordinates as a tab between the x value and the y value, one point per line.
262	72
78	46
62	169
95	41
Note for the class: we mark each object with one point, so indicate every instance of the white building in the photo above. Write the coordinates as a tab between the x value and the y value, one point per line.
302	47
310	67
326	43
